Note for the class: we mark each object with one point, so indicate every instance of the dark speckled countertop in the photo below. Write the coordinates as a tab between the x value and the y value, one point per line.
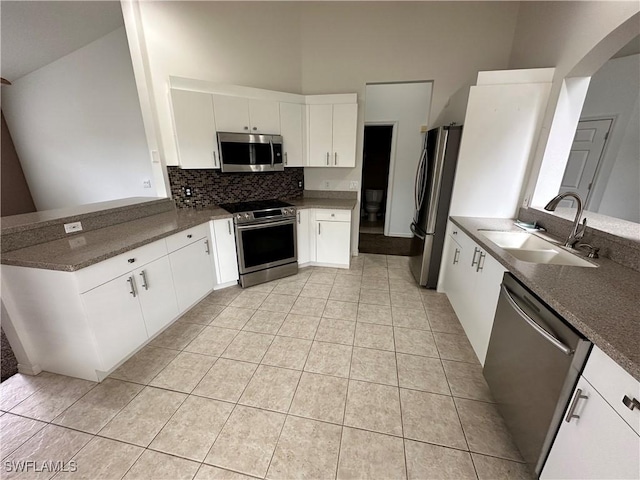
80	251
602	303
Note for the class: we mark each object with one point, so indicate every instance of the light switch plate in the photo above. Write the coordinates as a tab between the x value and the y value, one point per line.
73	227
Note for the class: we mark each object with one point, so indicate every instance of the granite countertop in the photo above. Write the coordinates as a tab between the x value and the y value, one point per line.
337	203
82	250
601	303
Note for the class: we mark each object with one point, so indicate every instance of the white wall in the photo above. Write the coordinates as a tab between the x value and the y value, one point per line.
613	93
407	106
77	128
621	197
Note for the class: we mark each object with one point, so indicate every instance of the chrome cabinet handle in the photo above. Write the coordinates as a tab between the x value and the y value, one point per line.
319	224
255	128
455	232
229	225
476	250
246	127
631	403
189	236
481	261
131	260
546	335
299	222
145	283
133	286
574	404
327	158
286	158
335	158
207	249
456	256
215	158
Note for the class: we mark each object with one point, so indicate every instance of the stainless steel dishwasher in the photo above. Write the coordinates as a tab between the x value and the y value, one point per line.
533	362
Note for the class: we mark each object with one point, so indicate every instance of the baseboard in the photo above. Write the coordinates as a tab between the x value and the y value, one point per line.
225	285
29	369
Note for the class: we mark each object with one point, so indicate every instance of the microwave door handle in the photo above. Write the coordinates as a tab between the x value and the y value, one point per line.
273	158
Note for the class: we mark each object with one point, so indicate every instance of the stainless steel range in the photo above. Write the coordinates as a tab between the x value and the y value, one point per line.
265	240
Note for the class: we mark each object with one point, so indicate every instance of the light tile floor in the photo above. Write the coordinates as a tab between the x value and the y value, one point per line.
327	374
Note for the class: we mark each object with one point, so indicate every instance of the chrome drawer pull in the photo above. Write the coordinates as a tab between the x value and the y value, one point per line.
189	236
207	249
574	404
631	403
131	260
476	250
456	256
132	284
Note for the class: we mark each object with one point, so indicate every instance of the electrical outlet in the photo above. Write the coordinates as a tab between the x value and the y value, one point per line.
525	202
300	184
353	185
146	184
72	227
327	184
188	191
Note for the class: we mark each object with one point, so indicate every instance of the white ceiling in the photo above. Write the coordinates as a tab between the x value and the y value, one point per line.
36	33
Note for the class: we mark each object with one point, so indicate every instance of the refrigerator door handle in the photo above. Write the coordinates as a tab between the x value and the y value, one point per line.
436	181
415	232
419	186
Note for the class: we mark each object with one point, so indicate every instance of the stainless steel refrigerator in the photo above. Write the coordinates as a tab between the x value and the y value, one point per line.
433	186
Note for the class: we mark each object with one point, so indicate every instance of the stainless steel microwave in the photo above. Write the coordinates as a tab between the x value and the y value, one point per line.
247	152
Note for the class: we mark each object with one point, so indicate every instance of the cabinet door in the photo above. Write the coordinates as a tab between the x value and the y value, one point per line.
195	129
454	284
487	283
116	319
264	116
333	242
231	113
157	294
320	135
225	249
303	234
192	273
345	120
291	118
599	444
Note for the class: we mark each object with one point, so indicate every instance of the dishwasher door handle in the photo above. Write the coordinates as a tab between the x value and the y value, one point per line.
546	335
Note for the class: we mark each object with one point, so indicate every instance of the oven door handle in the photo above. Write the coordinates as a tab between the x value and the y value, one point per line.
249	226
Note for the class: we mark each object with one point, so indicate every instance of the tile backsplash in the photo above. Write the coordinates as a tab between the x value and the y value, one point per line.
211	187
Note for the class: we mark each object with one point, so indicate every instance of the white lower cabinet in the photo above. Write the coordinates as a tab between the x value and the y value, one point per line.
303	234
602	437
155	289
226	259
115	316
333	237
192	273
597	444
471	281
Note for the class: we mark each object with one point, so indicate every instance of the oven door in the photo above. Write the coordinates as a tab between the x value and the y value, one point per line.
266	244
240	152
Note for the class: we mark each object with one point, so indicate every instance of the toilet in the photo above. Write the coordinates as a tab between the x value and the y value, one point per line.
372	203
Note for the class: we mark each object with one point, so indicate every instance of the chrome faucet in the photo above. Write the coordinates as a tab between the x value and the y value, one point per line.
577	232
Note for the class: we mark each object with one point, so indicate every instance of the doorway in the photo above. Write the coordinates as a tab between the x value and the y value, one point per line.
586	151
375	177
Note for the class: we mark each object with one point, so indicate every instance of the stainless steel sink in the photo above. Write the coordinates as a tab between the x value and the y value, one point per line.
531	248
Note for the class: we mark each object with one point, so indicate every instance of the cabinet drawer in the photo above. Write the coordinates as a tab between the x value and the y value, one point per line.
613	383
111	268
333	215
184	238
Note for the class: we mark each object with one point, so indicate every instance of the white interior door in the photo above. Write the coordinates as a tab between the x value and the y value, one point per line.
586	151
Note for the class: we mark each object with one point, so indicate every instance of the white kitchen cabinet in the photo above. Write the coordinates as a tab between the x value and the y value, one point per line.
472	281
332	135
226	261
246	115
501	126
115	316
155	287
333	237
291	121
596	445
195	129
303	234
192	272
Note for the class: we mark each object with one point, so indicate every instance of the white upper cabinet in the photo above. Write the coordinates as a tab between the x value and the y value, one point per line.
332	135
291	121
195	129
345	121
246	115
